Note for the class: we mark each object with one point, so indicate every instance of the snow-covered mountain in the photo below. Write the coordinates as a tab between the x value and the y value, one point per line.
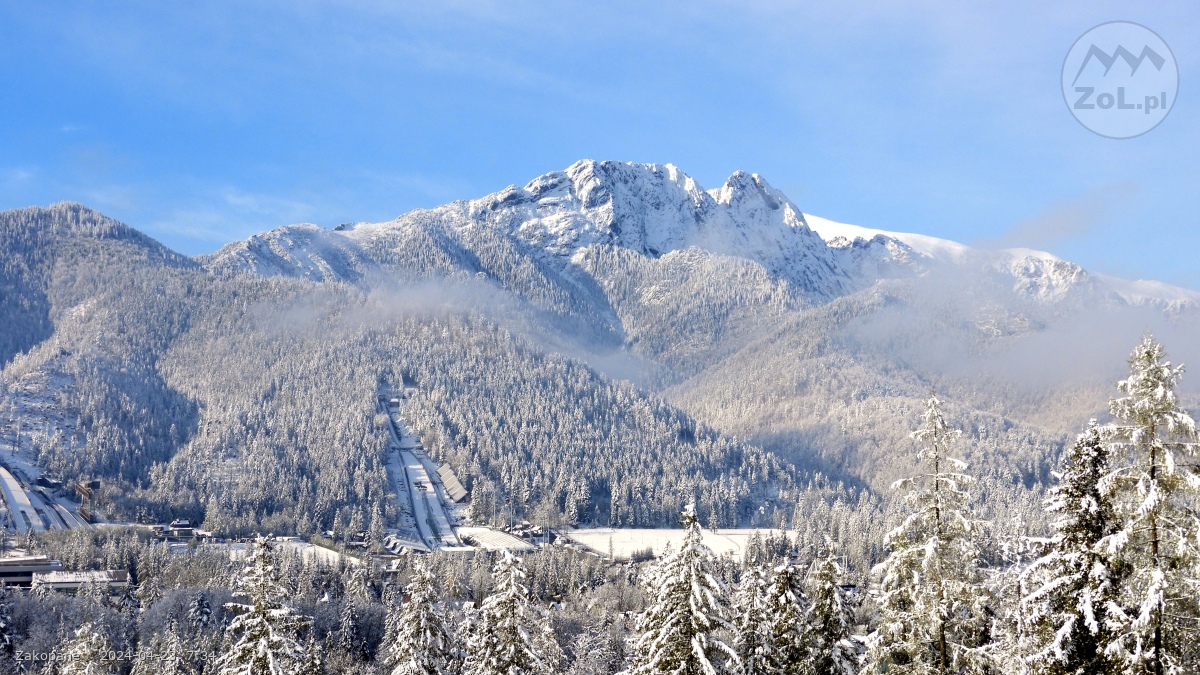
1036	274
643	318
650	209
658	210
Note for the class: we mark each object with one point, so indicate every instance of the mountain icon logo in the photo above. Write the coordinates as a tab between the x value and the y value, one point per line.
1120	79
1108	61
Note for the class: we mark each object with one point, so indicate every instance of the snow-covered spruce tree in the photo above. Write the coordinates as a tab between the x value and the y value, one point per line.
679	629
349	636
199	611
6	623
165	655
419	639
1073	581
314	661
832	647
932	601
262	638
593	652
511	635
750	622
787	647
88	653
1155	491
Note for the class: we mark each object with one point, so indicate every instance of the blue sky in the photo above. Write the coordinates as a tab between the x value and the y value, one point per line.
200	123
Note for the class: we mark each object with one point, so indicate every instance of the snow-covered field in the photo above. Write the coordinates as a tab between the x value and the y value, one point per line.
625	542
307	551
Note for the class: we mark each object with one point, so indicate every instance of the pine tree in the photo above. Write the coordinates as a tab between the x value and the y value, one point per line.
314	662
594	653
1074	580
6	626
262	637
165	655
832	648
787	648
199	611
751	621
679	630
88	653
419	639
40	590
148	591
1154	489
511	635
932	604
358	585
349	636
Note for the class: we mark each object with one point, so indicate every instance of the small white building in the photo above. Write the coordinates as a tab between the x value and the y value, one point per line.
71	581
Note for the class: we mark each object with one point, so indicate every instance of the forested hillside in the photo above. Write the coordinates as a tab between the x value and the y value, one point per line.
250	402
600	346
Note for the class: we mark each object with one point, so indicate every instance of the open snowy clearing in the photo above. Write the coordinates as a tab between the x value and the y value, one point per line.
626	542
307	551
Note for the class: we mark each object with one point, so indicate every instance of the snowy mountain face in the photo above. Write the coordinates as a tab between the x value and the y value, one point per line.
727	312
1035	275
657	210
642	258
650	210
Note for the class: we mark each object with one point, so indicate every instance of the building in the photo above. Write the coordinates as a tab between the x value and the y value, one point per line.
454	488
180	528
71	581
19	570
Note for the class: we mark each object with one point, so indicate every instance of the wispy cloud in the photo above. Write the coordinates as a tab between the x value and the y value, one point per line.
436	188
16	175
280	209
227	213
1069	219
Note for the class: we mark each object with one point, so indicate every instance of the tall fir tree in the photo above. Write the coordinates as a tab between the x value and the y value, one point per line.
262	638
511	635
314	659
750	622
164	655
88	653
1073	582
680	629
787	646
349	636
7	636
832	647
419	639
1155	490
932	602
199	611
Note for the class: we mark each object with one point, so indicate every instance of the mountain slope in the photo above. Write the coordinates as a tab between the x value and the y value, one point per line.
591	343
760	319
248	400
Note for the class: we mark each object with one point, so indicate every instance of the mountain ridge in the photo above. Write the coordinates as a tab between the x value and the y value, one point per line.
608	310
654	210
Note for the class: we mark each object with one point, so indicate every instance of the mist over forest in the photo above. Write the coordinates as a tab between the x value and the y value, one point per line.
608	346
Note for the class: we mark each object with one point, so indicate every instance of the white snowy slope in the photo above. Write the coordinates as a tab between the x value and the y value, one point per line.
1035	274
650	209
657	210
303	250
